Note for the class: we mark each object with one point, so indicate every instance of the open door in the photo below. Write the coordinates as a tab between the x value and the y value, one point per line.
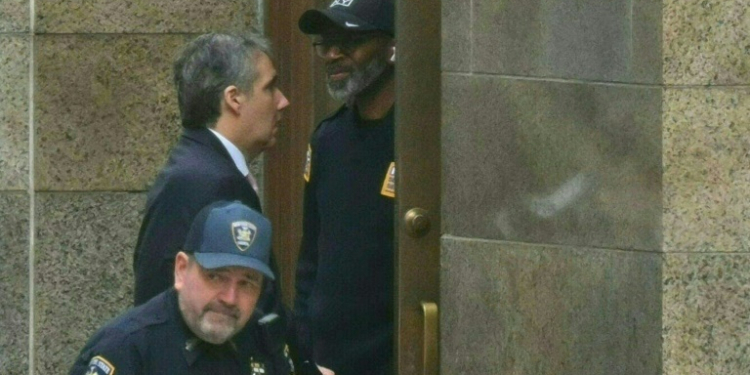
418	185
302	79
418	180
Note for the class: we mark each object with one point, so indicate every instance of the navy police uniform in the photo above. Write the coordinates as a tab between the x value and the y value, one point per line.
154	339
344	300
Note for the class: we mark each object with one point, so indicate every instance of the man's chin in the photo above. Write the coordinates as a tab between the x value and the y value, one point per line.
216	333
220	320
341	94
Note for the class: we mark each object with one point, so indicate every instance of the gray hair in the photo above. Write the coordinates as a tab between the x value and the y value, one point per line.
209	64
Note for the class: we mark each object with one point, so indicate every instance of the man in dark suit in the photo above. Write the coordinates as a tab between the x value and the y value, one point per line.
230	107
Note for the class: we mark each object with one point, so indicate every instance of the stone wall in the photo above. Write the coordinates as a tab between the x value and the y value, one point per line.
87	116
595	160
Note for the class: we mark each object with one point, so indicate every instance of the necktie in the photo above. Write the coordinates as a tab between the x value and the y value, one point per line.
252	181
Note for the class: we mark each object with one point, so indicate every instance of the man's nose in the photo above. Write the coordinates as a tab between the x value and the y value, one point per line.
333	52
284	102
229	294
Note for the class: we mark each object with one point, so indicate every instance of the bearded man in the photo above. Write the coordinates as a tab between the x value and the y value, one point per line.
192	328
344	285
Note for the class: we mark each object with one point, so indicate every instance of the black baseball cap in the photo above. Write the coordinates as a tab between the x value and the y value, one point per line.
226	234
353	15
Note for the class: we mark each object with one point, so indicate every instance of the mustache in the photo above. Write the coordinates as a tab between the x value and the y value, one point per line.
336	68
220	308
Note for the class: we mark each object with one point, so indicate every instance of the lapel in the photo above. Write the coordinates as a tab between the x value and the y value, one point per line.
205	138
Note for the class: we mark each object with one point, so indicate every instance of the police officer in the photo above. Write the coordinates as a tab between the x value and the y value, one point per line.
192	328
344	300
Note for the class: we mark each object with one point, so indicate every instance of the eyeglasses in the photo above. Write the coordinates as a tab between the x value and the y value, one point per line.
344	44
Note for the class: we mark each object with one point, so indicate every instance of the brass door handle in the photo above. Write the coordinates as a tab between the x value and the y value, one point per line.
430	356
417	222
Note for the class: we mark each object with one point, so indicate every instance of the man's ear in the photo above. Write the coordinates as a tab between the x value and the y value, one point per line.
232	98
181	263
393	54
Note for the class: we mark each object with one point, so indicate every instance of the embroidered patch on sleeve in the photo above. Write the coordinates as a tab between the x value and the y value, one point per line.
308	163
389	183
100	366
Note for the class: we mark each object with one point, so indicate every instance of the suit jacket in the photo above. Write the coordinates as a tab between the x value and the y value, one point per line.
199	171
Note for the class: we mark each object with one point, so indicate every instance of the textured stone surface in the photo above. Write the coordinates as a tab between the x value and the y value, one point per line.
14	113
551	162
706	42
584	39
529	309
706	314
706	170
456	34
83	269
106	114
14	283
145	16
14	16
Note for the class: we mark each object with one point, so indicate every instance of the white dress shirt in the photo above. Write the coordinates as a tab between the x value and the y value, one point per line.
238	158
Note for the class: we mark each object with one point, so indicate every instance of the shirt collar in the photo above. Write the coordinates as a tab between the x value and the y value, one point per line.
181	331
237	157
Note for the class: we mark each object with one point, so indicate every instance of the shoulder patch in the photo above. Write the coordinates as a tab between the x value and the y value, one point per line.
308	163
100	366
389	183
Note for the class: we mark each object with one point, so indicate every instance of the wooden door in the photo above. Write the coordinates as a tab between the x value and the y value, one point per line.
418	185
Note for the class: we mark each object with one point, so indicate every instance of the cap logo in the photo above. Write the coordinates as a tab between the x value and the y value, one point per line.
343	3
244	233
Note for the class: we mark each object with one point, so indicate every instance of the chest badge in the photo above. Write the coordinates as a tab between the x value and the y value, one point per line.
257	368
389	183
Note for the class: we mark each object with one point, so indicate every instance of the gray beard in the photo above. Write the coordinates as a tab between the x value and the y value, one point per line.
203	329
359	80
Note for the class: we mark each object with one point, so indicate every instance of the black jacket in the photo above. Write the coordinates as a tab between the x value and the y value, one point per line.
154	339
344	302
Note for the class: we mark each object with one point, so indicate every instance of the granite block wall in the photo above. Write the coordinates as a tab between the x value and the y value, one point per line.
542	309
595	173
87	116
706	103
14	282
105	118
82	269
552	186
15	215
14	111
